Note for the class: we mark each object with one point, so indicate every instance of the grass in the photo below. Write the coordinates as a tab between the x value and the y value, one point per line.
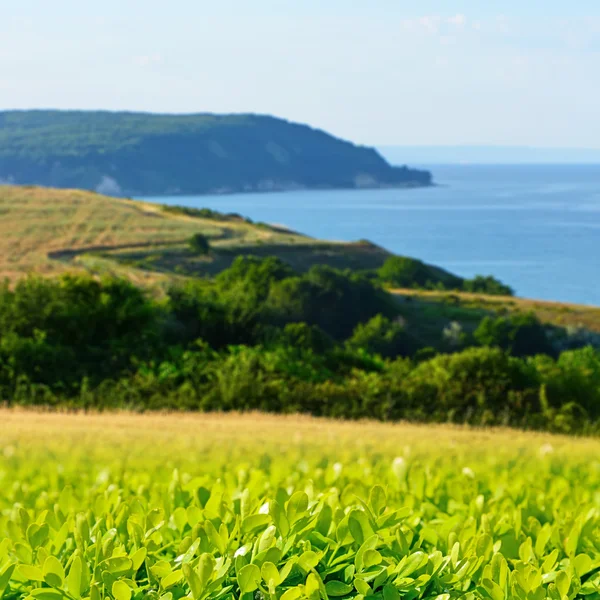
126	506
49	231
439	308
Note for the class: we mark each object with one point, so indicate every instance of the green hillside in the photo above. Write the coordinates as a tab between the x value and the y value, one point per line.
146	154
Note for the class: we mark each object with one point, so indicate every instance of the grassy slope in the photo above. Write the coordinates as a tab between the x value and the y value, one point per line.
49	231
439	308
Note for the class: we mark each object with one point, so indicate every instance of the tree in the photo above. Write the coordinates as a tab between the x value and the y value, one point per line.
199	244
520	334
334	300
487	285
404	272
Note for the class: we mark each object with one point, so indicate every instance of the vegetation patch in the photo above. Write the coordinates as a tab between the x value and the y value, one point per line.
127	507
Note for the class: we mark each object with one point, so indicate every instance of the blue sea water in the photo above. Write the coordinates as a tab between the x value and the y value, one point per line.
536	228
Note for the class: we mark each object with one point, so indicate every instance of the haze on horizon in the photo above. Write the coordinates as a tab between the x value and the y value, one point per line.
385	73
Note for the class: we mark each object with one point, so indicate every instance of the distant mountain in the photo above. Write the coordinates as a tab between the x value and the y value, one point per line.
146	154
432	155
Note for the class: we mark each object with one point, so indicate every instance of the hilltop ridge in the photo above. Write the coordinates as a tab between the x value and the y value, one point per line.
143	154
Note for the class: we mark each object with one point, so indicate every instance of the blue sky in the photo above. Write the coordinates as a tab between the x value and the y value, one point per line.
516	72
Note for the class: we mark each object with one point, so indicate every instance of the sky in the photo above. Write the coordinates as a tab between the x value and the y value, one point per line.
380	72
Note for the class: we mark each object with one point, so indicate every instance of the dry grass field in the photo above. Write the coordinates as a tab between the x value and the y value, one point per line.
47	231
212	440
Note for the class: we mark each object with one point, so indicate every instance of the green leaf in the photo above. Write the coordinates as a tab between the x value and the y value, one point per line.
191	551
412	563
37	534
493	589
180	518
377	500
287	568
297	506
390	592
369	544
54	573
292	594
359	526
279	518
249	578
74	579
582	564
308	560
550	561
161	569
255	522
312	587
31	572
371	558
206	566
542	539
121	591
338	588
362	587
270	574
214	537
193	580
118	566
171	579
47	594
5	576
562	582
138	558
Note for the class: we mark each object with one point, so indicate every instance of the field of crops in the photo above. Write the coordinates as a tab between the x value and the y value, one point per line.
261	508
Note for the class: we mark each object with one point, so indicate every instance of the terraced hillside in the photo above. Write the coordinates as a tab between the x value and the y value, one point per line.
48	231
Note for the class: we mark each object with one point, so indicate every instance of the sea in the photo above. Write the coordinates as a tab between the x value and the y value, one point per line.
535	227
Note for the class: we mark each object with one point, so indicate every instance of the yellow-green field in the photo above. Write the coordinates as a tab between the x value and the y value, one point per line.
48	231
128	506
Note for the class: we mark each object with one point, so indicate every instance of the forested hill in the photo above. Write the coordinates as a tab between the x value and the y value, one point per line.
148	154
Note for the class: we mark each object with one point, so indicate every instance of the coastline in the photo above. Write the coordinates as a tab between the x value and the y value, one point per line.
274	190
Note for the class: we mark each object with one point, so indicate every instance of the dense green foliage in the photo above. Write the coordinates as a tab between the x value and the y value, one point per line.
486	285
521	335
144	508
402	271
199	244
260	336
406	272
145	154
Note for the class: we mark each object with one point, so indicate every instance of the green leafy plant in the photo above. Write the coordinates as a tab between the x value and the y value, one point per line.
120	507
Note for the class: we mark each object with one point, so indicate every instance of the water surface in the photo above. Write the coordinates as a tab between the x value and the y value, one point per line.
536	228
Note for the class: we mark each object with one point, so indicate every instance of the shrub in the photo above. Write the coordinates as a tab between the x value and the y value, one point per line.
520	334
199	244
463	385
487	285
402	271
333	300
305	337
384	337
